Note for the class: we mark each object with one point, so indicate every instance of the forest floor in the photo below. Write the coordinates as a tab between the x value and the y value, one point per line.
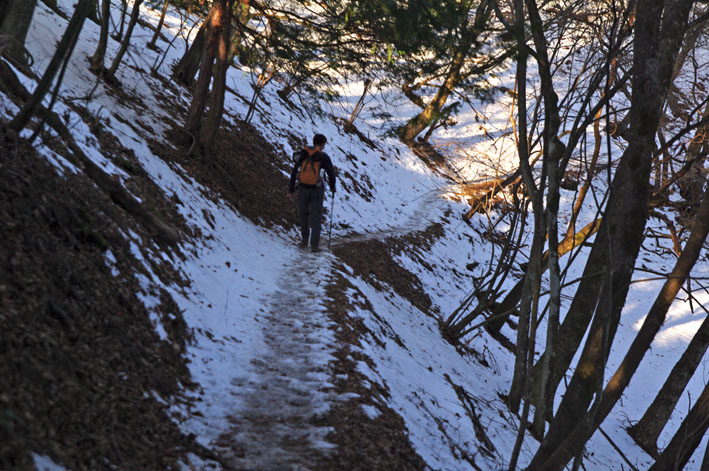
301	397
233	349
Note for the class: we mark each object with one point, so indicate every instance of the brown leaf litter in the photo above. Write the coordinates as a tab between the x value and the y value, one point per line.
84	377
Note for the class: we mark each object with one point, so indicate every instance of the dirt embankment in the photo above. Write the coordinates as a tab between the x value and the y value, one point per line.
380	441
373	260
243	169
84	376
364	443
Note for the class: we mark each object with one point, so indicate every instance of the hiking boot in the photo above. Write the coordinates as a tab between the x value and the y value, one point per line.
315	249
303	244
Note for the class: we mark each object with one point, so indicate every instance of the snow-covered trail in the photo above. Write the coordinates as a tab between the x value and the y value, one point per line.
288	383
428	207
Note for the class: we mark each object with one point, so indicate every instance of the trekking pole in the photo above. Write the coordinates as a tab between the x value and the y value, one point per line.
332	215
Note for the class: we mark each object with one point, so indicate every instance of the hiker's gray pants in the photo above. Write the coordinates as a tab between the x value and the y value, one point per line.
310	203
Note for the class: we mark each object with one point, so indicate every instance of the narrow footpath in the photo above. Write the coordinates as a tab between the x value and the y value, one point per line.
289	382
288	386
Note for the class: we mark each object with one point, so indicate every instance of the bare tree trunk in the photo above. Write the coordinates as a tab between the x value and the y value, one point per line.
242	16
545	374
544	407
117	35
63	53
93	13
418	123
575	441
519	379
189	64
692	182
97	59
151	44
134	14
201	92
15	23
527	312
621	232
552	150
687	437
218	20
216	99
648	429
591	171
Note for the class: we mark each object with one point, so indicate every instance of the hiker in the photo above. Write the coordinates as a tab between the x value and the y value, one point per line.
307	177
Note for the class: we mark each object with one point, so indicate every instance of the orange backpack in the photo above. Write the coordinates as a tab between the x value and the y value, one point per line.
309	170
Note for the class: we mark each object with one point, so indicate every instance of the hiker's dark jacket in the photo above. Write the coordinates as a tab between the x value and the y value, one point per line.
325	164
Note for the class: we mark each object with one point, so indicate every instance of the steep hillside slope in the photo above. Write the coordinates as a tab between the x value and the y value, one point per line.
230	348
131	336
83	369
